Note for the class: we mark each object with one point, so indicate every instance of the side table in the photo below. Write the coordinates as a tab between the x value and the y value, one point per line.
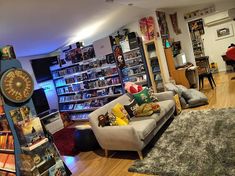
85	139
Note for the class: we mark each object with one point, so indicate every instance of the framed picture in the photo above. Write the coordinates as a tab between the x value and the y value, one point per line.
224	31
196	26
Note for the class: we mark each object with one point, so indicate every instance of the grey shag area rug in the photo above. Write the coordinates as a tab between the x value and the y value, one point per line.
197	143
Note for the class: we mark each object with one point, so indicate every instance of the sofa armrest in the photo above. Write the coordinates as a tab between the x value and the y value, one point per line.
168	95
118	138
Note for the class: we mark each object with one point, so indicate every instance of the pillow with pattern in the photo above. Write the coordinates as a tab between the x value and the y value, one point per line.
131	108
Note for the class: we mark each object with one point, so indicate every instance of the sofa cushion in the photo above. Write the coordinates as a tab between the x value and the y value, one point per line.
143	127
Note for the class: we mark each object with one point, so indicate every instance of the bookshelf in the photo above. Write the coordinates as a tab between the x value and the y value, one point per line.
154	65
7	155
135	69
86	82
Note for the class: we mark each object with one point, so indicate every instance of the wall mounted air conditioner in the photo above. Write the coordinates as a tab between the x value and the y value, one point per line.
220	17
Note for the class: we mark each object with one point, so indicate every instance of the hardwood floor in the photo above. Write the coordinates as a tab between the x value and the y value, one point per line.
95	164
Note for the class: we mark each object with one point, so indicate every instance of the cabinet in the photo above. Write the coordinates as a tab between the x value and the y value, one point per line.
154	65
52	121
186	76
86	85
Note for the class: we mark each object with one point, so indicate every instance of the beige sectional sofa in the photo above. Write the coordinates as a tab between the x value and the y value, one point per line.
138	133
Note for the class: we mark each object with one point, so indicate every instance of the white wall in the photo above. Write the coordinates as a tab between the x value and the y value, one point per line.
214	49
134	27
47	85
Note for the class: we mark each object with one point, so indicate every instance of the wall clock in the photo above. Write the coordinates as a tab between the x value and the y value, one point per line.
17	85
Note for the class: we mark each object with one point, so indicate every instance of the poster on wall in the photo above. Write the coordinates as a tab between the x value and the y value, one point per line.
196	26
161	18
224	31
117	51
147	28
174	22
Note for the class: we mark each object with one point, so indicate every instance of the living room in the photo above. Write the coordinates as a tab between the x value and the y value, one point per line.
118	87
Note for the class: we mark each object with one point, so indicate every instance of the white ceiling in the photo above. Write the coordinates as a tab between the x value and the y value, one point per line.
41	26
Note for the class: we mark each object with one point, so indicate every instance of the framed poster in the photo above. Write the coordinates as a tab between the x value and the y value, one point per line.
224	31
196	25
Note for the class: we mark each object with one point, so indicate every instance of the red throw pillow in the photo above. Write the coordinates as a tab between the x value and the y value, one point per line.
133	90
140	88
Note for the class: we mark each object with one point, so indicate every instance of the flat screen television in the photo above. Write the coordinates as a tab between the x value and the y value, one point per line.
40	101
41	68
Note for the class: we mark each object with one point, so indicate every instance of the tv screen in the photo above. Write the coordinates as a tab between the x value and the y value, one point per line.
41	68
40	101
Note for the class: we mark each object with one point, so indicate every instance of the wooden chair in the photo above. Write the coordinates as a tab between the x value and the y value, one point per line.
204	71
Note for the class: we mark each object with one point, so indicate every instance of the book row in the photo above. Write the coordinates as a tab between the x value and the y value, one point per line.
85	105
91	94
101	84
75	117
7	161
127	72
132	54
96	63
6	141
4	173
85	80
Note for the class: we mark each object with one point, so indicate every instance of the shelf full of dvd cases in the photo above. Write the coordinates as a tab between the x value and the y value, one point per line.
86	83
134	68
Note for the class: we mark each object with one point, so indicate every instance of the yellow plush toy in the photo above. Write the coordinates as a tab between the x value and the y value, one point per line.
119	112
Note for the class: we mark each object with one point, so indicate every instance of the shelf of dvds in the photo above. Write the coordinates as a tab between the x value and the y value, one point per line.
90	83
135	68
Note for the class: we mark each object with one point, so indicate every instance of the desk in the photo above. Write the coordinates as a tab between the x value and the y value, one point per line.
186	76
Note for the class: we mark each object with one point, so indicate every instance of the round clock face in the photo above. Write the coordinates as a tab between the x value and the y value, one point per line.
17	85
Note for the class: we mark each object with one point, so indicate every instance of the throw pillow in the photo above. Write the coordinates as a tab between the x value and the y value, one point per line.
144	110
119	111
131	108
142	96
178	107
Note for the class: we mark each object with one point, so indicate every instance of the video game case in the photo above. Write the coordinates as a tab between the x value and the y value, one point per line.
29	130
44	156
27	166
